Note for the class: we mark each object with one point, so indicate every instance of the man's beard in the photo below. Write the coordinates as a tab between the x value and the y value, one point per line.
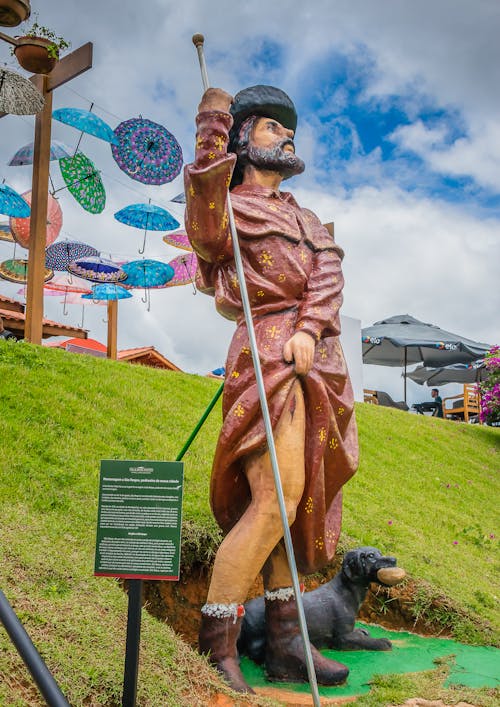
275	159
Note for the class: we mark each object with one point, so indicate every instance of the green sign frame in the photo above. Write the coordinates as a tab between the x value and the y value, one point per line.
139	519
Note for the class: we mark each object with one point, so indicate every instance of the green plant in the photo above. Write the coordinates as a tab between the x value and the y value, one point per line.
57	43
490	388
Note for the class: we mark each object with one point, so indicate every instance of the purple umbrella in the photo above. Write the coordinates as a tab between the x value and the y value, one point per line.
147	151
24	155
97	270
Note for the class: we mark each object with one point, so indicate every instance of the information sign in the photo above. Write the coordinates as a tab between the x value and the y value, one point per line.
139	520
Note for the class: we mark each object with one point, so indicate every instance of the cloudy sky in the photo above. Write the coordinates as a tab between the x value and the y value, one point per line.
398	108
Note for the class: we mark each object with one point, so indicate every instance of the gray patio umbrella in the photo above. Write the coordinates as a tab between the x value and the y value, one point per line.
403	340
456	373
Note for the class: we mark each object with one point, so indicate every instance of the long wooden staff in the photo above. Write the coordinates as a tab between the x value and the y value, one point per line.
198	41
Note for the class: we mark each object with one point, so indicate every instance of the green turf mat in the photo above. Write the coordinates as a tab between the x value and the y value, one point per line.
472	666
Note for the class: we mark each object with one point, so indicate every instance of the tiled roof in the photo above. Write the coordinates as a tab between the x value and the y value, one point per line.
13	316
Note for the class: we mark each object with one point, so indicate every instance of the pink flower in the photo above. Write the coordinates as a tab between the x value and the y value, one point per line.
455	542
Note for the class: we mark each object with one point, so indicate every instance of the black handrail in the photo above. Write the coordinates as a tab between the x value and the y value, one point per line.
34	662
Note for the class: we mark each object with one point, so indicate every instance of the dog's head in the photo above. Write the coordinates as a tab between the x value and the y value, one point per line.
367	564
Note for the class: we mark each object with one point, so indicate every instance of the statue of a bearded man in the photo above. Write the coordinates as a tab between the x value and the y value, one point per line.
294	279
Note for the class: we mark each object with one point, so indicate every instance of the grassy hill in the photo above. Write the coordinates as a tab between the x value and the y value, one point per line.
426	491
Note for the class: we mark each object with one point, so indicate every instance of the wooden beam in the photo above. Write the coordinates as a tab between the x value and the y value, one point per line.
71	66
112	329
38	218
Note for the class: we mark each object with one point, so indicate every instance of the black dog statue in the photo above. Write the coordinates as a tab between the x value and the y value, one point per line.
331	609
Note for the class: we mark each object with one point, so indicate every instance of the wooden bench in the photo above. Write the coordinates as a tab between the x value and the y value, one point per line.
466	404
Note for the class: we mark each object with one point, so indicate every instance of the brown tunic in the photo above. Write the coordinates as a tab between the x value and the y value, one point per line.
294	281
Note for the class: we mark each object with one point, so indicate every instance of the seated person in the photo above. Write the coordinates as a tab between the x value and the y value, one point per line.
438	402
5	333
436	406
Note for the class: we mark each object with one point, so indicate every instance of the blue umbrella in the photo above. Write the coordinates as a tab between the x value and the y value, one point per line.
86	122
147	274
148	217
12	203
24	155
107	291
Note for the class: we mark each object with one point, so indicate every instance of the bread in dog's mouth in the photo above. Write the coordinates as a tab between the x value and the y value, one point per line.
390	575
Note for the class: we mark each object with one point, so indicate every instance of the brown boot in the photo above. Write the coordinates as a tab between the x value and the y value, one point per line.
285	655
217	639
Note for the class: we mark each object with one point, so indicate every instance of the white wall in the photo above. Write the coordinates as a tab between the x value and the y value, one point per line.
350	338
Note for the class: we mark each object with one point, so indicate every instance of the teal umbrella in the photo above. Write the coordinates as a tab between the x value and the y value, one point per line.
12	203
107	291
86	122
147	217
147	274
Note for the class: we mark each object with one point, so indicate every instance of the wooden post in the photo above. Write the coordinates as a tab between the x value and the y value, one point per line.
112	328
38	219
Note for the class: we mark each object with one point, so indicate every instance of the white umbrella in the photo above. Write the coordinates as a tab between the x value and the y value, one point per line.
18	95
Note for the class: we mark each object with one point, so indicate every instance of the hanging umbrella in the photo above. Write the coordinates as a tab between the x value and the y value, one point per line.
107	292
16	270
12	203
456	373
64	282
148	217
59	255
77	298
179	240
20	227
97	270
5	232
180	198
86	122
185	267
147	274
56	288
18	96
147	152
403	340
84	182
24	155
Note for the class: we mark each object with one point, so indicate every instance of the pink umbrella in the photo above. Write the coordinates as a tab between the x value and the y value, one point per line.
61	285
185	267
20	227
179	240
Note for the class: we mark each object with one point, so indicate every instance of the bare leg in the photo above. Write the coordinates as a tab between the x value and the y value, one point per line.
247	546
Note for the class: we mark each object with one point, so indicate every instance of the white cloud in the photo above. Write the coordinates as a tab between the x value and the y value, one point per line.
477	155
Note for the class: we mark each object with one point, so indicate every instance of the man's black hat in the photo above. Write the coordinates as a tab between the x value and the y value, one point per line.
267	101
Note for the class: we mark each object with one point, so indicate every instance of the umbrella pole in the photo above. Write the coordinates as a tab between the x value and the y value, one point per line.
406	363
198	41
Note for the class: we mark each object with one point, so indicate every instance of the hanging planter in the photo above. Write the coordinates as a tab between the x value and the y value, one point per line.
38	49
36	54
13	12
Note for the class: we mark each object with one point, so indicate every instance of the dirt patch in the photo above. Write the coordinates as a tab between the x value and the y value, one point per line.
179	603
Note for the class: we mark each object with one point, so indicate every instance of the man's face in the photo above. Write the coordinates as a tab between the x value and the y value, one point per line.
271	147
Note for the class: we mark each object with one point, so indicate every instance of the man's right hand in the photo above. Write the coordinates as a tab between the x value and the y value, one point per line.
215	99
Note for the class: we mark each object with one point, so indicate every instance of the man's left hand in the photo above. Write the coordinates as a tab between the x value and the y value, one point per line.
300	349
